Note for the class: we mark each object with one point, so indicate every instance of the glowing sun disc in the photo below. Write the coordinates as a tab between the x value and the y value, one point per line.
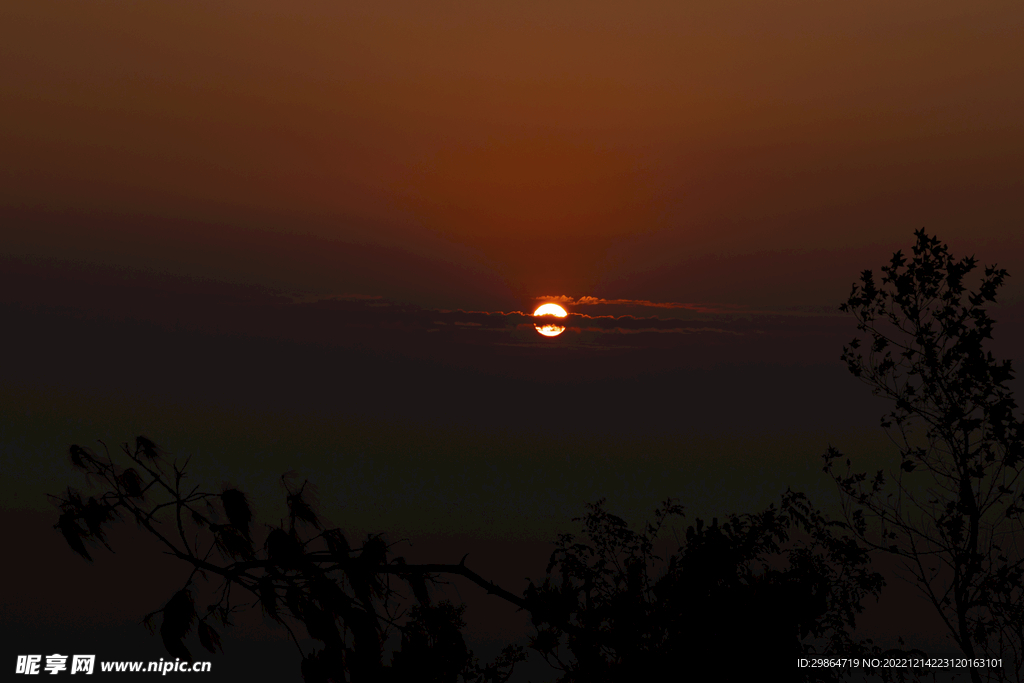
551	309
550	330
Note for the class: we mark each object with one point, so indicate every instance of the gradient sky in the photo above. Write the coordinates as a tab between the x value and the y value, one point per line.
591	148
309	235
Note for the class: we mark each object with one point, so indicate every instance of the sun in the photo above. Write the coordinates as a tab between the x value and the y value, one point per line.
549	329
551	309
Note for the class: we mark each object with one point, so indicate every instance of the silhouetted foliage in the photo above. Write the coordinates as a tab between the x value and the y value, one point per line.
952	507
340	594
771	586
757	591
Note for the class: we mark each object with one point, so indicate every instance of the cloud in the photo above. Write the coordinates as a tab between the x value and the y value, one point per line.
702	308
374	321
628	324
660	330
645	303
557	299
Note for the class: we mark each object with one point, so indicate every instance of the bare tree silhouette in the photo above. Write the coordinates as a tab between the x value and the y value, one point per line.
952	508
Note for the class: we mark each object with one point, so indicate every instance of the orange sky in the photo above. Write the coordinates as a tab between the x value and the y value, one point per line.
656	150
